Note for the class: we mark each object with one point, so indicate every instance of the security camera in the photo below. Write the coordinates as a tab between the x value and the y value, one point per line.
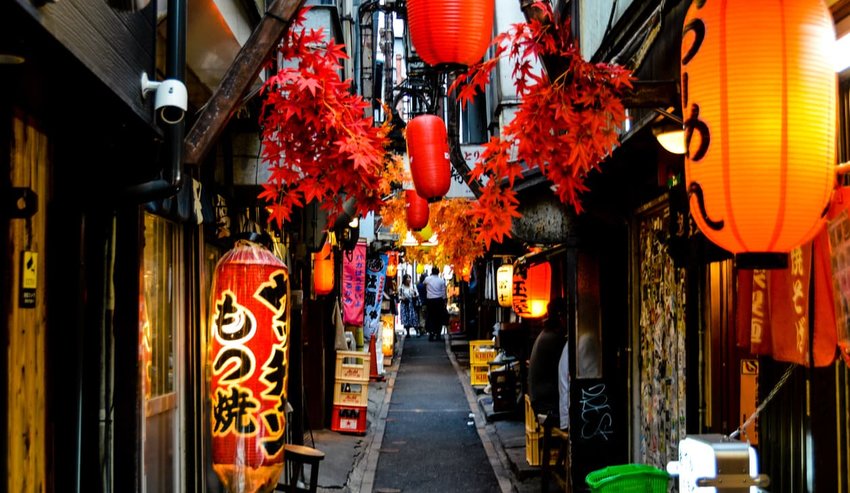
171	98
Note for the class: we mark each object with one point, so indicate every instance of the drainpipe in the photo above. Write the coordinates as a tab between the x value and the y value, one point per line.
171	177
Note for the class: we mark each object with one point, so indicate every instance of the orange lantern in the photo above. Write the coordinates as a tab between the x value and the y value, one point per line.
392	264
249	357
450	31
323	270
532	290
759	106
428	148
417	210
504	285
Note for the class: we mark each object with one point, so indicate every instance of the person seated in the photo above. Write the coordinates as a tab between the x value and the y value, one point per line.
543	371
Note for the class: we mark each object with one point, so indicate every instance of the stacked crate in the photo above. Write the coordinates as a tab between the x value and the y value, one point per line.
480	354
534	439
351	392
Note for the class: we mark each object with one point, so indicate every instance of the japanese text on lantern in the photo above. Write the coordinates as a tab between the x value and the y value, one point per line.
235	406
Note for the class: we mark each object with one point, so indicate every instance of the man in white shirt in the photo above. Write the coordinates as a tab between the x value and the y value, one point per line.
435	302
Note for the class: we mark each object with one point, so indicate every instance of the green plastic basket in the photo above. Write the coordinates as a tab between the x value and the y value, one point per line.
628	478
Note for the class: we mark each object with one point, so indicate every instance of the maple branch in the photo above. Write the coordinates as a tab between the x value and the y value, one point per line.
455	154
643	94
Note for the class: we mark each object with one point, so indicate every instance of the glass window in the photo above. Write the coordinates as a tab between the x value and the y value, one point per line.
160	314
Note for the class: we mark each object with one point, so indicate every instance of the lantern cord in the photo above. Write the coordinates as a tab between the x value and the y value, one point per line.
749	421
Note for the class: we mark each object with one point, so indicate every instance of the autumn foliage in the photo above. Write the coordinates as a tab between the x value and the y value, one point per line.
316	138
563	127
320	145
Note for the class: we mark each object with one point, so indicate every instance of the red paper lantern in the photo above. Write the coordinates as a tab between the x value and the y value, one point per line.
428	148
249	358
759	105
417	210
323	270
532	290
450	31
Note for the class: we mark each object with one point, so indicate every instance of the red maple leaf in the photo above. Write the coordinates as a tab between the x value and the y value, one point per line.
565	127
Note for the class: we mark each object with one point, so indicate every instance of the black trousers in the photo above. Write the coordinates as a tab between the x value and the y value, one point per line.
436	315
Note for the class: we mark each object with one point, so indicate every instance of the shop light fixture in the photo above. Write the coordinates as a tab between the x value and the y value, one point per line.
670	132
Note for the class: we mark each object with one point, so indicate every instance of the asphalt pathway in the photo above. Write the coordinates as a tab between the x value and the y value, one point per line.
430	442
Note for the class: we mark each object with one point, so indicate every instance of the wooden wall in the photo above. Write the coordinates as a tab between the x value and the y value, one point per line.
25	372
115	46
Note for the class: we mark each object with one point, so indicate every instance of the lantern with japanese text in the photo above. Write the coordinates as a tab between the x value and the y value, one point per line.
504	285
417	210
323	270
759	109
450	32
249	357
532	290
428	148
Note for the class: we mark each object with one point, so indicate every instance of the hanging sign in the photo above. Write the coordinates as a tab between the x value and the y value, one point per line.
376	273
353	284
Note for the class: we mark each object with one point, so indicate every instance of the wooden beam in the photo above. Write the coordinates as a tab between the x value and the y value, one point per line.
238	79
644	94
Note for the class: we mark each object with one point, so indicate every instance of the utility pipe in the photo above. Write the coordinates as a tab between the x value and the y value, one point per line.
171	177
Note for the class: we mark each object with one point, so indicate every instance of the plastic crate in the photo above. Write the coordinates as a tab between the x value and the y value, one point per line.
481	352
531	423
478	375
349	419
628	478
352	366
534	448
351	393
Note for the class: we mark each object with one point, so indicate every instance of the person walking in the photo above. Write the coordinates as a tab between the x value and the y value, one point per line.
409	296
423	296
435	290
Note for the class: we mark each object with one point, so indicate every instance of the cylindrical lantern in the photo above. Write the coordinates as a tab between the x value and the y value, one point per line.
323	270
392	264
505	284
759	106
417	210
450	31
531	291
249	358
428	148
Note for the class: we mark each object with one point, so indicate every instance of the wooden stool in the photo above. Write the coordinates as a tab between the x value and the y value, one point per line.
295	456
560	471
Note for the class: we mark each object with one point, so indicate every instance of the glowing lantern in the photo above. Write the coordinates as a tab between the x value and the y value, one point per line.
323	270
759	106
531	291
504	285
428	148
417	210
249	357
392	264
450	31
